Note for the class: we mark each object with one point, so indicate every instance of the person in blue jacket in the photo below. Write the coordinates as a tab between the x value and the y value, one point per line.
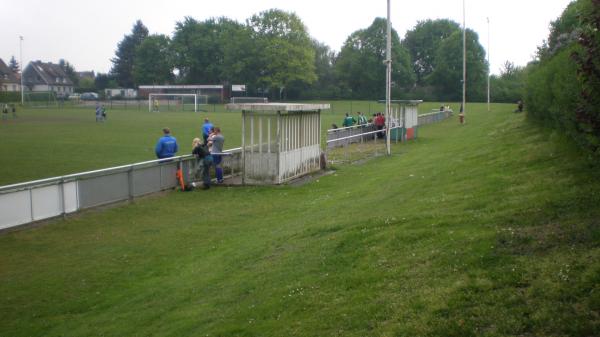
166	146
206	129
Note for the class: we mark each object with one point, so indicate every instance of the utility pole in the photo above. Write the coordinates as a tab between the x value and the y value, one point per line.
22	69
388	80
464	95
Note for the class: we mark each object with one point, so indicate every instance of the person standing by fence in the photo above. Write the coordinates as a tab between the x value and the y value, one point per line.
4	111
362	119
166	146
203	161
216	151
348	121
379	122
206	127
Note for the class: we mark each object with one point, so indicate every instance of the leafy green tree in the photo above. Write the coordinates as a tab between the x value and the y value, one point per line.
125	55
360	66
241	55
587	59
286	57
86	84
153	63
69	70
326	84
103	81
510	85
14	65
423	42
213	51
448	74
566	29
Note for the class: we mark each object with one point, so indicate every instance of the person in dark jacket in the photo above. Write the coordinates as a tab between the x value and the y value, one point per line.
204	160
166	146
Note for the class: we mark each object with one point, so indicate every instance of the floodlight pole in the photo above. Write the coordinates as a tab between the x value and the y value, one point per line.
21	56
464	94
388	80
489	65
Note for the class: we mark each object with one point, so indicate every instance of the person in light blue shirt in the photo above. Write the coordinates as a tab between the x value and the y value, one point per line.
166	146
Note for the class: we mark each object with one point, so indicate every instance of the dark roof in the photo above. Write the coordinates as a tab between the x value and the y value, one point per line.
6	75
38	72
86	74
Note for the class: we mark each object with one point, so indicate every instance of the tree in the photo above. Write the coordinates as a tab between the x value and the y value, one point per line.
285	54
104	81
125	55
510	85
360	66
587	112
326	85
153	63
213	51
69	70
448	74
423	42
14	65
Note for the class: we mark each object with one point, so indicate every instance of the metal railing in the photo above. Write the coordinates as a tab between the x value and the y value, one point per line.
32	201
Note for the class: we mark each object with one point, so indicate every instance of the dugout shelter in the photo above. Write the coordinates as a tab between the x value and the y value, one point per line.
280	141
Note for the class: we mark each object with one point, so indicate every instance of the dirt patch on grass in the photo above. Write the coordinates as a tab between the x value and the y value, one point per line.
548	237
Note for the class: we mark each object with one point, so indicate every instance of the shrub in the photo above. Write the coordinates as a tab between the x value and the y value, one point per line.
563	90
10	96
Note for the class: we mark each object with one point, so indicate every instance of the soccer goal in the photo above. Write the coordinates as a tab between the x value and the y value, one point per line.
39	99
238	100
168	102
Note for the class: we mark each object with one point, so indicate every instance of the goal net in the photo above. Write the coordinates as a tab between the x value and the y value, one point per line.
176	102
249	100
39	99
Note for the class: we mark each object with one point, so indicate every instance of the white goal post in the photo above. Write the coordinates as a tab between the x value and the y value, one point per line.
152	97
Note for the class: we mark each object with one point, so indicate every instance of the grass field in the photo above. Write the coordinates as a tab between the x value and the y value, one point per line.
487	229
44	143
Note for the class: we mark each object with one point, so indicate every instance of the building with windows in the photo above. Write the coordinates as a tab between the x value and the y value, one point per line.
121	93
47	77
9	81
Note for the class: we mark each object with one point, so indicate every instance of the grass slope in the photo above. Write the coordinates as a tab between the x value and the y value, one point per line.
489	229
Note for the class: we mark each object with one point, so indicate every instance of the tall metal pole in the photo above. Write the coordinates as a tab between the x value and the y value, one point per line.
388	80
464	96
22	69
489	66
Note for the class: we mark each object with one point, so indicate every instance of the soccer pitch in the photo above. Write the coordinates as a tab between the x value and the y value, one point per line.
44	143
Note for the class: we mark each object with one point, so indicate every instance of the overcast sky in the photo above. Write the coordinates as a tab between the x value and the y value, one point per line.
86	33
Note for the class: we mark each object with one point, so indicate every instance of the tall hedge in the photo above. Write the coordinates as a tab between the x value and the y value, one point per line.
563	89
10	96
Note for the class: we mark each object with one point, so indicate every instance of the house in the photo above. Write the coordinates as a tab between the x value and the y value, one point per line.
83	75
8	80
39	76
120	93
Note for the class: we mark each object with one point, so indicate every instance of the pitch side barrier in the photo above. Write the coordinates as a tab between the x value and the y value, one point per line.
434	117
360	133
52	197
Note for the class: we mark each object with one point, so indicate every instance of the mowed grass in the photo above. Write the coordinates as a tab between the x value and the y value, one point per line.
487	229
44	143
